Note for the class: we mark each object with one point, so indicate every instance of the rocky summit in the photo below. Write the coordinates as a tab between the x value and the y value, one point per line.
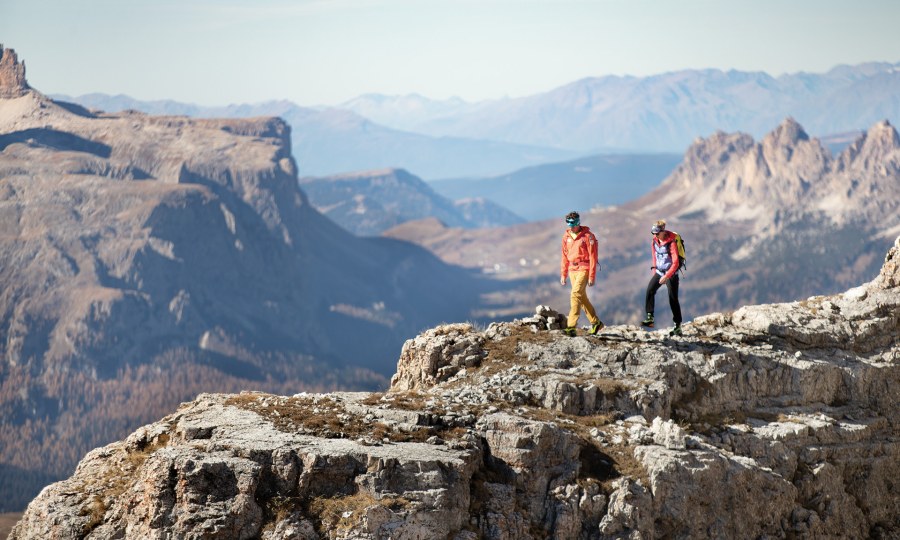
772	421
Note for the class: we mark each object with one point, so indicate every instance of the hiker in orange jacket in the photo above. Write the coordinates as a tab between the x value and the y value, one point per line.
579	262
665	264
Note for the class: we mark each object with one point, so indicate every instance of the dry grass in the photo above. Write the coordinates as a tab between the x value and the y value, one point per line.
681	410
95	512
594	455
323	416
610	388
343	513
502	354
625	464
406	401
117	478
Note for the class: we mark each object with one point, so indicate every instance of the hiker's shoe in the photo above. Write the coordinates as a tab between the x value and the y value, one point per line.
596	327
569	331
676	331
648	321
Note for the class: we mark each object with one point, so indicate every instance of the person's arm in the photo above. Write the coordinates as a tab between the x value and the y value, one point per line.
564	262
653	256
592	254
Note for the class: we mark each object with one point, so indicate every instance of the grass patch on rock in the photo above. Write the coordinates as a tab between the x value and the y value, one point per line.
343	513
326	417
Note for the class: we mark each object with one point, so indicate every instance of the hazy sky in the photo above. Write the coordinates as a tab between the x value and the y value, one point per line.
217	52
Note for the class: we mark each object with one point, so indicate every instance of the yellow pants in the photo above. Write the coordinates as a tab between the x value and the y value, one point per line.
580	299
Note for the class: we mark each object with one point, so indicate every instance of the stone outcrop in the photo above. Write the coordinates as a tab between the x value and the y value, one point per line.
773	421
12	75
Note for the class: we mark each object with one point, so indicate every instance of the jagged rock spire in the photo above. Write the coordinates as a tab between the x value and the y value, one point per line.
789	132
12	75
875	150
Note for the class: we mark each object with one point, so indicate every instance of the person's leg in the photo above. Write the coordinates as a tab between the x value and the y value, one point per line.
579	283
672	285
586	302
652	287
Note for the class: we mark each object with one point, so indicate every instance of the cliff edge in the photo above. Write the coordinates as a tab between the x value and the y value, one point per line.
773	421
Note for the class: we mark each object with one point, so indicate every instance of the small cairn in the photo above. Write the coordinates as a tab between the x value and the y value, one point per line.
545	318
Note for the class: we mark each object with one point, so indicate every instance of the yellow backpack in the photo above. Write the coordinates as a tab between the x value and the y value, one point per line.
682	261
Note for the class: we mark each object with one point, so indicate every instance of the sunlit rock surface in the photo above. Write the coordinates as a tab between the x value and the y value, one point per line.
772	421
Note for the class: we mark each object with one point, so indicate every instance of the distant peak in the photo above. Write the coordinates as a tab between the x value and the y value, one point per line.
789	132
883	135
12	75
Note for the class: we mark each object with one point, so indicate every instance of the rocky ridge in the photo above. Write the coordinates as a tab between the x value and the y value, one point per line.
731	177
775	420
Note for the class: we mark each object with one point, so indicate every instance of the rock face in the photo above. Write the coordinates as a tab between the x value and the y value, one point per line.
12	75
730	177
773	421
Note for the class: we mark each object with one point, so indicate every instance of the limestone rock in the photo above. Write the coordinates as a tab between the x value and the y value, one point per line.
12	75
775	421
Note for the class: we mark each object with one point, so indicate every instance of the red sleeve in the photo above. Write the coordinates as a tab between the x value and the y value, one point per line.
564	262
673	252
592	267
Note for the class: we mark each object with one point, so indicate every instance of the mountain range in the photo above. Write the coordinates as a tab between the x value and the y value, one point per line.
764	221
443	139
662	113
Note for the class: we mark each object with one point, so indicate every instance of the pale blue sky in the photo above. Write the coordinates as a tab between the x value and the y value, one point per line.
217	52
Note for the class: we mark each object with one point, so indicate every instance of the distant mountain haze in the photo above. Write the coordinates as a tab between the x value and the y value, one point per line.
328	141
367	203
554	189
441	139
662	113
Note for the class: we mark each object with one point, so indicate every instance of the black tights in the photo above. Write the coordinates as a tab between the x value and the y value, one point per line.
672	285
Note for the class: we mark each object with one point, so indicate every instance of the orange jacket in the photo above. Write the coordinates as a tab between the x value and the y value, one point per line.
579	253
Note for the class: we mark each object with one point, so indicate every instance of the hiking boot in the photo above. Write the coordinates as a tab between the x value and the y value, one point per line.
676	331
648	321
596	327
569	331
